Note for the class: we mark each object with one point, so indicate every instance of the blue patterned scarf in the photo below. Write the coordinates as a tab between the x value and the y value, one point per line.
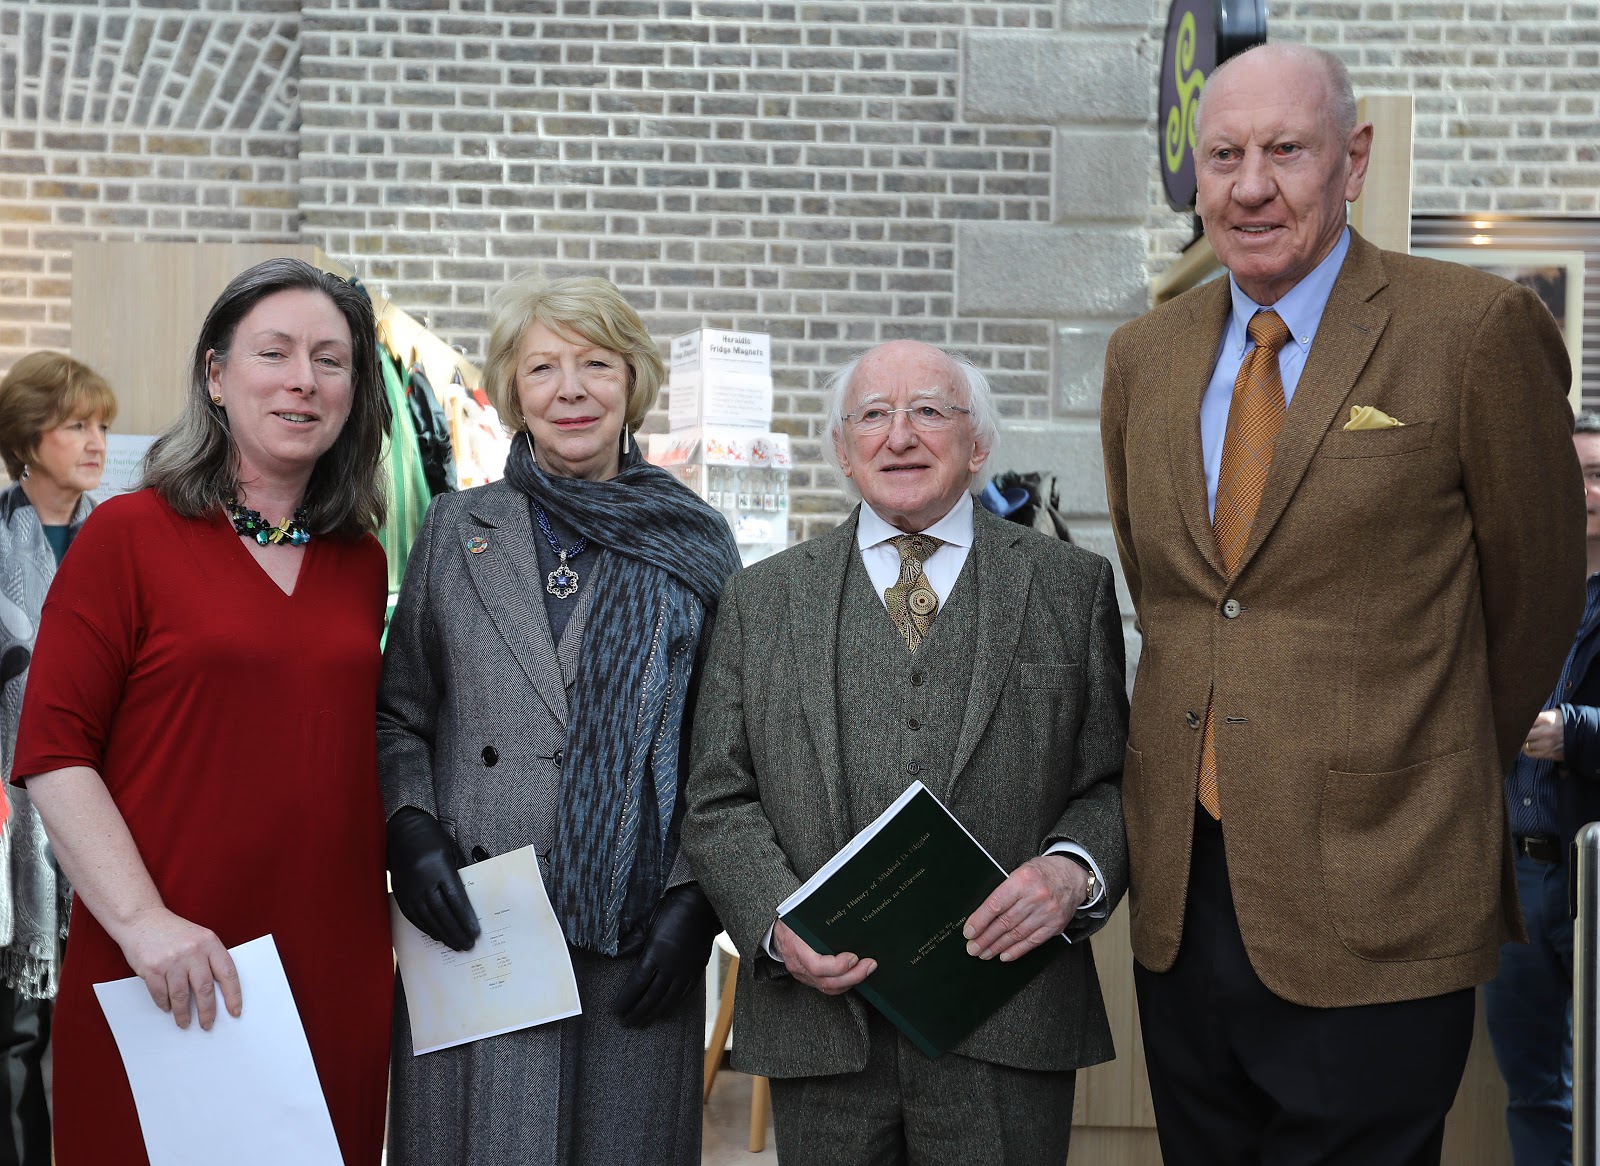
617	835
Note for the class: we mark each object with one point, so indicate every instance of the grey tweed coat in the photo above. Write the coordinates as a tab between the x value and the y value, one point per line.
472	721
1038	760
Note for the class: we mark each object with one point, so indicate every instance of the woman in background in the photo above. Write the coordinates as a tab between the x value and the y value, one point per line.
197	730
54	414
536	691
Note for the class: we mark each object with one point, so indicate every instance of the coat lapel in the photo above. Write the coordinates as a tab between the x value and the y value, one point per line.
506	575
1193	356
816	593
1001	576
1350	328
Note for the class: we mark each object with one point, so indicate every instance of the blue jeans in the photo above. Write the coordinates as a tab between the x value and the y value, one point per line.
1529	1009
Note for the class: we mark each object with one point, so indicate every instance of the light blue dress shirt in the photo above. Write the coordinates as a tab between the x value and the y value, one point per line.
1301	309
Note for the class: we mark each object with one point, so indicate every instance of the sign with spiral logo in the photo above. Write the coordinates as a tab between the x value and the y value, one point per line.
1201	34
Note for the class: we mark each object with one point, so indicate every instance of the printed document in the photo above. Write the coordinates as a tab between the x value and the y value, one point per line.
518	973
245	1093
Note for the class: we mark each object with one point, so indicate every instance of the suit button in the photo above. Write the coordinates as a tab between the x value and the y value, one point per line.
1192	719
556	757
1231	609
914	723
916	679
490	755
913	769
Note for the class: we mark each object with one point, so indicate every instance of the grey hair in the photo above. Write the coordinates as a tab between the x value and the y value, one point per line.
194	465
980	399
1341	93
1588	421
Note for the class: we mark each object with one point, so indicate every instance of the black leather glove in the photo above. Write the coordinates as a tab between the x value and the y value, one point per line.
422	869
676	951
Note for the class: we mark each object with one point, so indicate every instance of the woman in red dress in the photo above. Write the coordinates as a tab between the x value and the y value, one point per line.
197	732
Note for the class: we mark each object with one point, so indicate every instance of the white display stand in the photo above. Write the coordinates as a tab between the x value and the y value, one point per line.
720	378
741	472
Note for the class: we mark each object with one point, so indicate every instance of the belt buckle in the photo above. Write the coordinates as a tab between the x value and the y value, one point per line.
1540	849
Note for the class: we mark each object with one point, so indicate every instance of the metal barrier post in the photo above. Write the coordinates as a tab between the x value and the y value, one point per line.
1586	996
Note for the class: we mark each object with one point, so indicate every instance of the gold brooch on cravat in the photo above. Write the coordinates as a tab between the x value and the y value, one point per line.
922	601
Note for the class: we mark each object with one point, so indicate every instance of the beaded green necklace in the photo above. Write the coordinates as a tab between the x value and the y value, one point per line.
291	531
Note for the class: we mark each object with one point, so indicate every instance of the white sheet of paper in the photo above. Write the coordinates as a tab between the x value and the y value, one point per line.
245	1093
518	973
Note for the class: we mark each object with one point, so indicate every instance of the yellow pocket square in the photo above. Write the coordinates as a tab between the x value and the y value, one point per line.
1370	417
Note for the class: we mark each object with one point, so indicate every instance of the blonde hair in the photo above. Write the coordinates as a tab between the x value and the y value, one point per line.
585	306
43	390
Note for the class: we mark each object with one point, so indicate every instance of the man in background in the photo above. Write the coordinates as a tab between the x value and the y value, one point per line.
1552	791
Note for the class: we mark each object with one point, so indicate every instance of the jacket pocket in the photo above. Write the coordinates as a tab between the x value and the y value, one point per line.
1411	858
1353	443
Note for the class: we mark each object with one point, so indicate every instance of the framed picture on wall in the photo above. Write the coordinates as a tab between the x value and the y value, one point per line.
1556	277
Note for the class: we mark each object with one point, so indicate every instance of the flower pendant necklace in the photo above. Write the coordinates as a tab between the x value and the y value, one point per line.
290	532
563	581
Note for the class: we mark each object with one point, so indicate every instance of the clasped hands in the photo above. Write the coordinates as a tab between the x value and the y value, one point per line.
1036	902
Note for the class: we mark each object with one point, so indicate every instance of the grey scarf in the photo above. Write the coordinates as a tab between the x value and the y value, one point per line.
34	897
617	821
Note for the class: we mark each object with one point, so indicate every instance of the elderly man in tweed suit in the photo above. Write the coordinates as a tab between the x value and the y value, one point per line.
1345	494
924	639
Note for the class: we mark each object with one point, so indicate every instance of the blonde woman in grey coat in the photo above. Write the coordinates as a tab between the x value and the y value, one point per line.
54	414
536	687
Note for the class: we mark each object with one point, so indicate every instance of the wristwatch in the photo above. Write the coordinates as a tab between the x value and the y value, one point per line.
1092	888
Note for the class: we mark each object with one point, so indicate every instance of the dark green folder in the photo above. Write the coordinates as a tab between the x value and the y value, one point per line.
899	893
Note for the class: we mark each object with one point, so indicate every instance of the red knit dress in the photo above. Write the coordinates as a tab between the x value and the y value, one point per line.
234	728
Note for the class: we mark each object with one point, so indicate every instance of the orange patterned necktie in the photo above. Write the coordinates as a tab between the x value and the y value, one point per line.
911	601
1254	419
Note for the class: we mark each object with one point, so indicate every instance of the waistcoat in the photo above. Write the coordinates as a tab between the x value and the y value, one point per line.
900	712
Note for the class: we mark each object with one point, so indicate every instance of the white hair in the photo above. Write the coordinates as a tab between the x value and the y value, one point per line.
980	399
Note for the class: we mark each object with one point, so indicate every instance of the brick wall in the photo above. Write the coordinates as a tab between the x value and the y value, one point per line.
799	169
974	174
1507	94
124	123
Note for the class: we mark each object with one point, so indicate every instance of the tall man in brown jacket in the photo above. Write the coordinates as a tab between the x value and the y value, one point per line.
1345	498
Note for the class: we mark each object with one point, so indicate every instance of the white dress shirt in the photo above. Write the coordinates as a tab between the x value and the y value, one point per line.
942	568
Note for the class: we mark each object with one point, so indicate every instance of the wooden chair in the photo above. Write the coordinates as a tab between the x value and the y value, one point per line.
760	1094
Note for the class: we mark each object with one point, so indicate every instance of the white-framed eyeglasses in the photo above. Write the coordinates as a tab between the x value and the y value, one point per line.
924	416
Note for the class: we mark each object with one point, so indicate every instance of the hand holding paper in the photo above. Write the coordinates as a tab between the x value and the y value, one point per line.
245	1093
181	962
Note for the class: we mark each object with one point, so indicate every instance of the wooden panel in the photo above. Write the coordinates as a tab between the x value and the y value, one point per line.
137	308
1383	212
1475	1132
1100	1146
1118	1092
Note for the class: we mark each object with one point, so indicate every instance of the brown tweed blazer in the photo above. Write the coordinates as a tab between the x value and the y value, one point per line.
1400	614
